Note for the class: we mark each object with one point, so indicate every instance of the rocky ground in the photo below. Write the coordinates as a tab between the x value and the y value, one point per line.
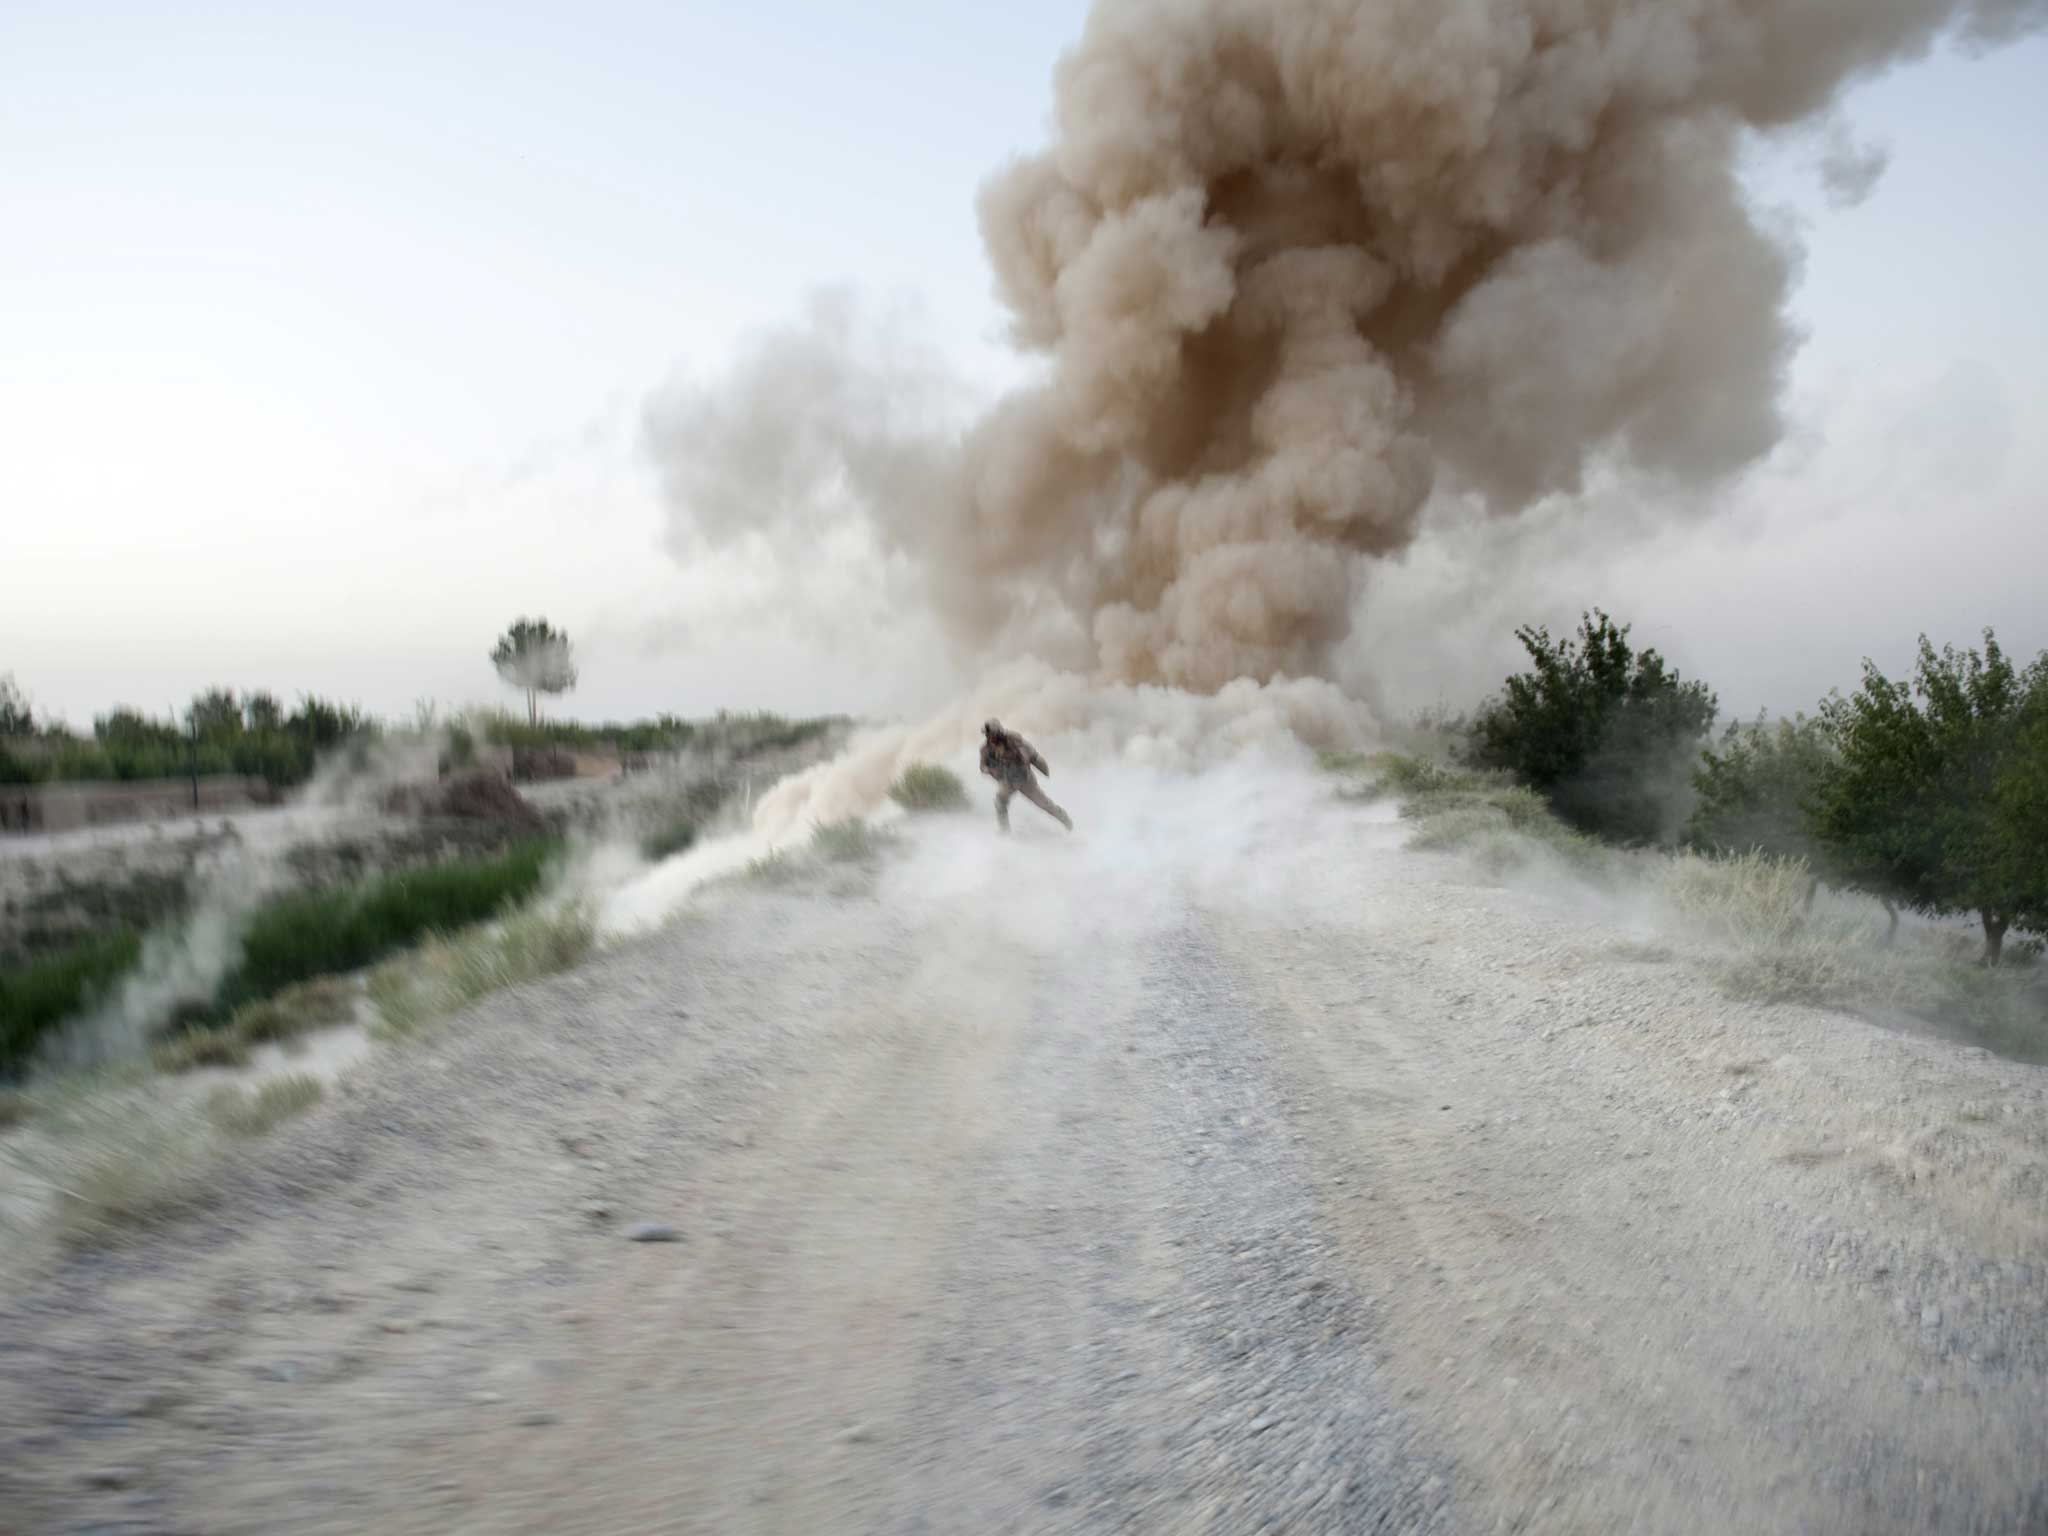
1222	1168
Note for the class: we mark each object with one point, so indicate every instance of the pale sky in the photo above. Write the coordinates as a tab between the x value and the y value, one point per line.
324	334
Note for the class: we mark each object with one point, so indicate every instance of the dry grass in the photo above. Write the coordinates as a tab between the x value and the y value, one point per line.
848	842
114	1161
446	975
926	787
1773	945
776	868
1487	816
297	1010
244	1112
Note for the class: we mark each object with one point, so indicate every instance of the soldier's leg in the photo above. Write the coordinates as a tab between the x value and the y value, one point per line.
1003	793
1038	797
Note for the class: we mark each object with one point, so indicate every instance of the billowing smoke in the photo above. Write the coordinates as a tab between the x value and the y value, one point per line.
1292	268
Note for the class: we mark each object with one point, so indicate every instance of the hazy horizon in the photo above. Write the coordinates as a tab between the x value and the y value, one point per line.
329	341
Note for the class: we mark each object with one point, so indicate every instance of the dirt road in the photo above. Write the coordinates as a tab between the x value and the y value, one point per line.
1220	1169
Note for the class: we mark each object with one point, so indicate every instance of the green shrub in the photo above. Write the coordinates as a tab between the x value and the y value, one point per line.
1605	733
37	996
925	787
335	932
677	837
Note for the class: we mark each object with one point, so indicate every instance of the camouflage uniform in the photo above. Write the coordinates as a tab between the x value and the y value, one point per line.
1008	758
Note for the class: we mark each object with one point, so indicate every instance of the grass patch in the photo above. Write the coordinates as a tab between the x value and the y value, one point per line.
448	974
776	868
203	1047
1487	815
242	1112
677	837
297	1010
37	996
1777	945
332	933
847	842
926	787
114	1163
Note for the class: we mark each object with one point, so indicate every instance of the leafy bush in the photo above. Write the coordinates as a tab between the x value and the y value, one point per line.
925	787
1605	733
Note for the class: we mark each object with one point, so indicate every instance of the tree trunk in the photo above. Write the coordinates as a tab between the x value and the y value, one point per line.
1994	937
533	707
1812	890
1891	934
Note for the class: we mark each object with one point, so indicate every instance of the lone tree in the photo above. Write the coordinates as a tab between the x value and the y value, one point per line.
536	658
1939	793
1606	733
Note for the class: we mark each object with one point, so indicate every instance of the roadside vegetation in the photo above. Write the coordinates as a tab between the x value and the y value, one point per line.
1779	841
926	787
253	735
445	975
41	993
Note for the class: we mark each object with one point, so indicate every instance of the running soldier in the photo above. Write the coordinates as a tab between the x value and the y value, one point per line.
1008	758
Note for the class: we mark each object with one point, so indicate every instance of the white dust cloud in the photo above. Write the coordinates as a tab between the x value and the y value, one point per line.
1083	727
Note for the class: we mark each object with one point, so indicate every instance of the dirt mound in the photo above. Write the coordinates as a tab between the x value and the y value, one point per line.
541	764
467	797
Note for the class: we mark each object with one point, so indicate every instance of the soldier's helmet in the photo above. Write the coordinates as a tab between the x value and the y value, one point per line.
991	727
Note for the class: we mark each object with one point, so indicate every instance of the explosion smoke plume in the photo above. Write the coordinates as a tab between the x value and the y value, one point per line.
1292	266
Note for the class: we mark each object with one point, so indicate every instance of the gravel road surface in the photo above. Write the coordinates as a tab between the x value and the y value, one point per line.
1222	1168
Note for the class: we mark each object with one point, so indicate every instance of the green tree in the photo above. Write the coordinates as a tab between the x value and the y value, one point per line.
1607	734
263	711
215	715
1934	798
535	658
16	718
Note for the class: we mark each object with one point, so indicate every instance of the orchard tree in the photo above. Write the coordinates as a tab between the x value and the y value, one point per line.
1935	796
537	659
1607	734
1756	790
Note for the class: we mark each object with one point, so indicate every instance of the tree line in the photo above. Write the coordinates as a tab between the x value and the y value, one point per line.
1929	793
219	732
